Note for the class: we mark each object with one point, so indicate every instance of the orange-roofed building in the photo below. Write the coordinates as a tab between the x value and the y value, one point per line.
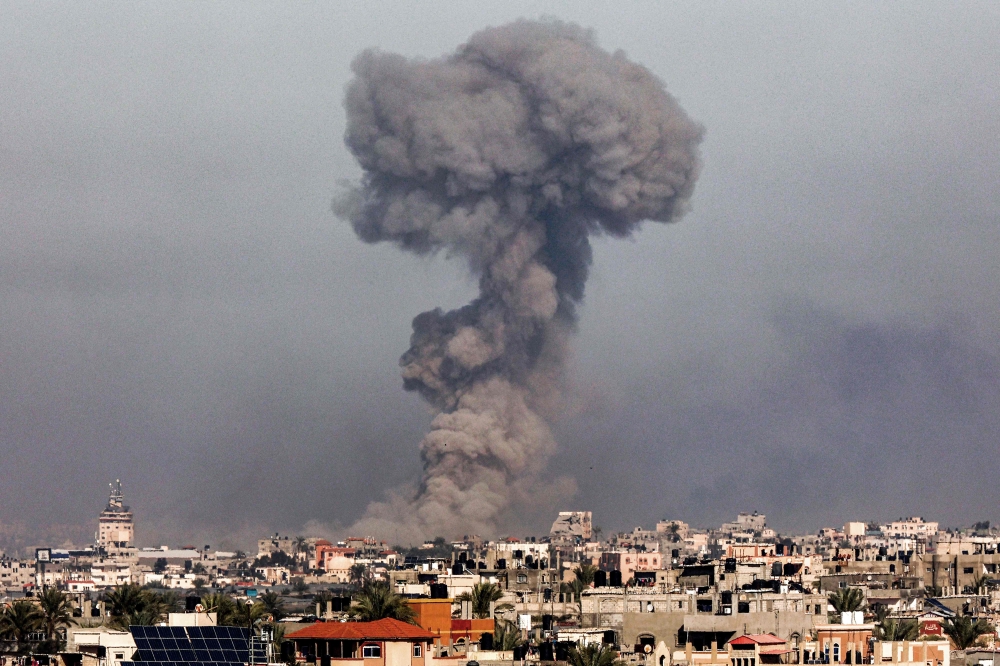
434	615
753	649
385	642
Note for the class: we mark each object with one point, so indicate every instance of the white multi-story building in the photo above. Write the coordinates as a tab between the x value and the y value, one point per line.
116	528
110	573
910	527
518	554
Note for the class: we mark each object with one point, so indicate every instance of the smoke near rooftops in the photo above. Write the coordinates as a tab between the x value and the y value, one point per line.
509	153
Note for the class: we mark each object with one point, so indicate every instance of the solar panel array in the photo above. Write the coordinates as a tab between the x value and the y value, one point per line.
182	646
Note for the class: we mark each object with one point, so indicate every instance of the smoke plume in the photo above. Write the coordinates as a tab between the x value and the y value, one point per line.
510	153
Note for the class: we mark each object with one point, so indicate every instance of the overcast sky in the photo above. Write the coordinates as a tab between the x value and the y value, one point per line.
818	339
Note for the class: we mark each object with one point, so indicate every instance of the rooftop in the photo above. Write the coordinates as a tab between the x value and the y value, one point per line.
386	629
759	639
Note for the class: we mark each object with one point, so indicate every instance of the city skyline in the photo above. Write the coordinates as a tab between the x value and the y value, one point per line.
816	339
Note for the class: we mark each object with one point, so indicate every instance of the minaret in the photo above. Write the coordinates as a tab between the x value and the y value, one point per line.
115	527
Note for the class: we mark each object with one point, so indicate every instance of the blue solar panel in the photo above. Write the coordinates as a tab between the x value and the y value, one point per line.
185	646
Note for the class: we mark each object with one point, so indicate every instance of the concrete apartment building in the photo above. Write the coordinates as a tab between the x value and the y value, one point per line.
746	522
958	574
676	618
630	561
572	526
284	544
15	574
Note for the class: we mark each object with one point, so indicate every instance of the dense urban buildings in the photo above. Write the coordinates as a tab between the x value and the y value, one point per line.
901	592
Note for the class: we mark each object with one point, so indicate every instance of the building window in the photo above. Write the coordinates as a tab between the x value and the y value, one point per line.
522	578
371	651
417	650
836	653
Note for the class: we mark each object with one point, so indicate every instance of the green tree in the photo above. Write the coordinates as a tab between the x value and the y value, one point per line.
376	600
57	611
20	619
247	614
584	573
160	565
505	635
273	606
358	575
131	604
222	605
965	631
847	599
124	599
302	547
277	641
892	629
484	594
593	655
299	585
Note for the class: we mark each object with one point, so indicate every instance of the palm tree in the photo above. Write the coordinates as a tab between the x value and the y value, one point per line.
979	582
892	629
593	655
130	605
144	617
358	575
585	573
246	614
847	599
57	611
301	545
124	599
964	631
273	605
19	620
222	605
377	600
482	596
164	602
505	635
277	639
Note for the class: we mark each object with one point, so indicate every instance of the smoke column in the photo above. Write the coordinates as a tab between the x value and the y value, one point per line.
510	153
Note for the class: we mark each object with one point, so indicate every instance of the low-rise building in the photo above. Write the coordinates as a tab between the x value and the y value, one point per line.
385	642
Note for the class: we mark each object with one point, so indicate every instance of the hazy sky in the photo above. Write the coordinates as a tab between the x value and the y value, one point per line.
818	339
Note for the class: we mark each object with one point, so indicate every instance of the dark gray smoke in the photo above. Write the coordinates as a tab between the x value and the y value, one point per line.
510	153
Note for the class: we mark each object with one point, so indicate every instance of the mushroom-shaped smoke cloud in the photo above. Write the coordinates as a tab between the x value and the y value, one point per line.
509	152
